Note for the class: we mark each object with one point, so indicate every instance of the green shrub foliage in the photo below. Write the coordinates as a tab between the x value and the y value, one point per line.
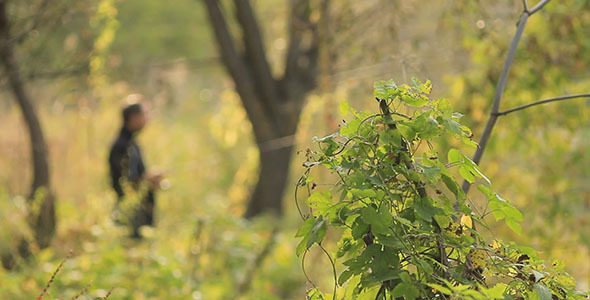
406	229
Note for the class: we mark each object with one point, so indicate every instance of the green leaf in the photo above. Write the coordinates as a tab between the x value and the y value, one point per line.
425	209
452	125
408	291
379	220
425	126
467	168
407	131
542	292
403	221
457	115
454	156
473	294
351	128
385	274
368	294
305	227
391	241
313	230
314	294
302	246
538	275
391	137
514	226
453	187
329	146
414	100
502	209
359	228
474	168
425	266
344	108
364	193
320	201
440	288
432	173
466	174
385	89
496	292
405	277
344	276
510	211
318	231
443	221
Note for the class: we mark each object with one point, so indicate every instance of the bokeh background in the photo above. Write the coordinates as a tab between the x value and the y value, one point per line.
87	55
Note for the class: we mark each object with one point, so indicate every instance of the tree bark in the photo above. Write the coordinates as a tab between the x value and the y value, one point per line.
273	105
272	182
41	200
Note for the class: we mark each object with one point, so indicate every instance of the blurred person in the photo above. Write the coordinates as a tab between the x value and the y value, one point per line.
135	187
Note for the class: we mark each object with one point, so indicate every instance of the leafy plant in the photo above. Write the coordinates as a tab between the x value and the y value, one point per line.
407	229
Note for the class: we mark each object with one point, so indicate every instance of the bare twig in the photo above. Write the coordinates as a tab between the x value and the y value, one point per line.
82	292
538	6
19	38
560	98
108	294
50	282
501	86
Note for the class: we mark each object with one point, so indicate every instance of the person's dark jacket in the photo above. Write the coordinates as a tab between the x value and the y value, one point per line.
126	162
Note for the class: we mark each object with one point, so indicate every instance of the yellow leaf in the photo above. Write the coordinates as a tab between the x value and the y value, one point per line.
495	244
454	230
467	221
477	259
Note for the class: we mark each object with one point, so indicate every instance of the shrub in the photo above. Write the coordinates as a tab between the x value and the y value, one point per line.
407	229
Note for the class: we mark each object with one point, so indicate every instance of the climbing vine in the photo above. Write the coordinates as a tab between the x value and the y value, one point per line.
405	228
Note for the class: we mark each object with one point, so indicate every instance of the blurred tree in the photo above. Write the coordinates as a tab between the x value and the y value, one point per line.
41	199
42	39
273	104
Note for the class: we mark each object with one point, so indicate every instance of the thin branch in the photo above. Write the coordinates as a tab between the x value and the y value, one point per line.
560	98
538	6
502	84
19	38
498	96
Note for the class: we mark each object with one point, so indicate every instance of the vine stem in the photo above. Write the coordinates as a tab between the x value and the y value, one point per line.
501	86
560	98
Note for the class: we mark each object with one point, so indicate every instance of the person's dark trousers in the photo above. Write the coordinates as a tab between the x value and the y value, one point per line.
144	214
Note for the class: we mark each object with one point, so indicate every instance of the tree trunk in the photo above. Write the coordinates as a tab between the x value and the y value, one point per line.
272	182
273	104
41	200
